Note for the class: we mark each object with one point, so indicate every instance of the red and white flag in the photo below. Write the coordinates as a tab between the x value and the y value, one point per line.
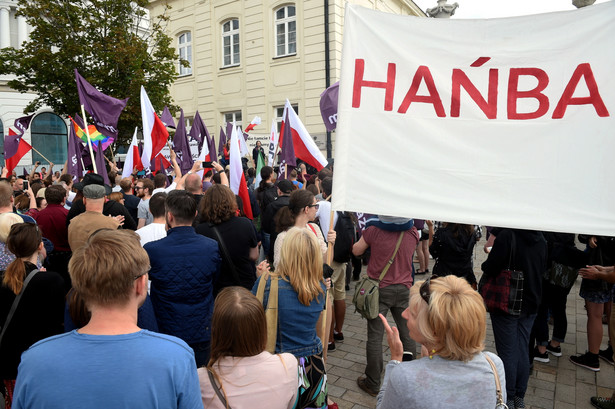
305	148
203	157
132	157
238	180
155	134
255	121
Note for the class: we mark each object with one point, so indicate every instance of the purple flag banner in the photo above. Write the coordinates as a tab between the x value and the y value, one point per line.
23	123
229	130
221	142
211	143
181	146
100	164
74	166
167	118
198	130
287	153
328	106
105	110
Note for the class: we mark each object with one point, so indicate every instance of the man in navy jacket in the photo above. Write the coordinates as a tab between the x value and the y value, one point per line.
184	266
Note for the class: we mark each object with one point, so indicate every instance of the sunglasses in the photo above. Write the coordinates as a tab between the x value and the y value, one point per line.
313	205
425	291
138	187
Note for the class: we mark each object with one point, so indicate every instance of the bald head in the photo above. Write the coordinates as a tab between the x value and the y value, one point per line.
193	184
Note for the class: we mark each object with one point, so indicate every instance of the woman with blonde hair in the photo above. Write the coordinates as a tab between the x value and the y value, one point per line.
40	310
300	298
7	220
448	318
241	373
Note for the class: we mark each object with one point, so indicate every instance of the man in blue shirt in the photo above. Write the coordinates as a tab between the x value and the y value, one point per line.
110	362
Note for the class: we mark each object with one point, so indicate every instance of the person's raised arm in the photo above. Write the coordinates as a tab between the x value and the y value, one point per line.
220	170
176	168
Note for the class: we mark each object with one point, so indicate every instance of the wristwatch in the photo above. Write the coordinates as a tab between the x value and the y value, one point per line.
395	361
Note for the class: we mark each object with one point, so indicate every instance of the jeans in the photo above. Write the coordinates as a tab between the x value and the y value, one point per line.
201	353
395	298
512	335
266	242
554	298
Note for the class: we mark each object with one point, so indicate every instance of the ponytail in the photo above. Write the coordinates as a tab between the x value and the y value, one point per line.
15	275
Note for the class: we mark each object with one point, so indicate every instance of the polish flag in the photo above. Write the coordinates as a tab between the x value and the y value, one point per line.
255	121
204	157
155	134
238	180
23	147
305	148
132	157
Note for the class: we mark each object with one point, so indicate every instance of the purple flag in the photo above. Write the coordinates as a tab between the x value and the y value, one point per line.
229	129
11	142
221	142
167	118
181	146
198	130
211	143
23	123
75	150
328	106
105	110
101	169
287	152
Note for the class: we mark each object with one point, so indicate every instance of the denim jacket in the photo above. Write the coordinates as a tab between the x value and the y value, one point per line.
296	322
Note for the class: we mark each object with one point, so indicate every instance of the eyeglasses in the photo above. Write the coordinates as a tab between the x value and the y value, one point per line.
425	291
314	205
141	275
138	187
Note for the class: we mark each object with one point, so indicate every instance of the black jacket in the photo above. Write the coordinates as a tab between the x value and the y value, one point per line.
268	219
453	254
530	256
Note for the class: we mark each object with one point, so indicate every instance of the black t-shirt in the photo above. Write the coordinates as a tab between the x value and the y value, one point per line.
239	237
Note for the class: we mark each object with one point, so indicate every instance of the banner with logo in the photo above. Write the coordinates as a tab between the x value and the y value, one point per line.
501	122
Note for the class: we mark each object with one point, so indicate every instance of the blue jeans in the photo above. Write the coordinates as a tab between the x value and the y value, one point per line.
266	242
512	337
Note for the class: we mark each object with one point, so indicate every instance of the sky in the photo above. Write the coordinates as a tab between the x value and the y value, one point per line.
502	8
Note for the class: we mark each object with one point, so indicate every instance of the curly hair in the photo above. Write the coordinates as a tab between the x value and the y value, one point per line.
218	204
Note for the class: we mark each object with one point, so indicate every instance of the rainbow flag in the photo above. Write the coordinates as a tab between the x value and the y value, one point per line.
95	136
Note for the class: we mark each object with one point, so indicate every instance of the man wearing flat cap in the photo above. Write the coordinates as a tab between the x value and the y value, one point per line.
110	208
83	225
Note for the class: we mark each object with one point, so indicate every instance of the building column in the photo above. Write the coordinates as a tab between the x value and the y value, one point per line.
22	31
5	31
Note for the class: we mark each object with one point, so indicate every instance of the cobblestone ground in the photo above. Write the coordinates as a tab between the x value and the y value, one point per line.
555	385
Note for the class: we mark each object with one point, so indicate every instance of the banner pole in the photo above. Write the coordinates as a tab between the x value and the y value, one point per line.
43	156
87	132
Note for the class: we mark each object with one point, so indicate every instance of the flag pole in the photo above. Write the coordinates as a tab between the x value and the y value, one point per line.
87	132
43	156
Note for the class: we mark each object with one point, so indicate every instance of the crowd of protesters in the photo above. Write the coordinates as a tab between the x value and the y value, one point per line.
159	292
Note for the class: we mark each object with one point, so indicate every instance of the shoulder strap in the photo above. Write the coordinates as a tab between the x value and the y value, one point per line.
313	229
226	254
214	385
271	312
16	302
498	385
386	268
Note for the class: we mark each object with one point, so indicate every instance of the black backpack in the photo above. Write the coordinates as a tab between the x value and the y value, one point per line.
345	237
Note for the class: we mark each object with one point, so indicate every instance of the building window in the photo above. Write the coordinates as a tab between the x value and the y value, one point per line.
184	48
49	137
230	43
279	114
231	117
285	31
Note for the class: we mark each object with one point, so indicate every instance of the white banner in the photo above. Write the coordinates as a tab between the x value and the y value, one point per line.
502	122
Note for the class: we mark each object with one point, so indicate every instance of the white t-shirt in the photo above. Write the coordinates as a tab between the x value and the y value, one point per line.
152	232
172	186
323	215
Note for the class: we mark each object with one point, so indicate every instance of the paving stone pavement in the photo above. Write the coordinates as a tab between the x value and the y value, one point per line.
555	385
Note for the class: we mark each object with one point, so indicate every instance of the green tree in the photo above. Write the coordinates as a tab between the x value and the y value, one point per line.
114	44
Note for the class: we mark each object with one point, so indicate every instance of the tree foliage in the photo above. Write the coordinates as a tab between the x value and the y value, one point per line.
114	44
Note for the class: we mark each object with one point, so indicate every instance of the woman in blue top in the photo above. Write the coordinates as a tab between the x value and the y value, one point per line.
301	298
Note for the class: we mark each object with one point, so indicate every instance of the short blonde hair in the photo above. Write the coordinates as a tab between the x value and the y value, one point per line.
103	271
454	321
6	221
301	263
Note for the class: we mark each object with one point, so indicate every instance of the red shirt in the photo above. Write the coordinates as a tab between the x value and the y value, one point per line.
382	245
52	222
